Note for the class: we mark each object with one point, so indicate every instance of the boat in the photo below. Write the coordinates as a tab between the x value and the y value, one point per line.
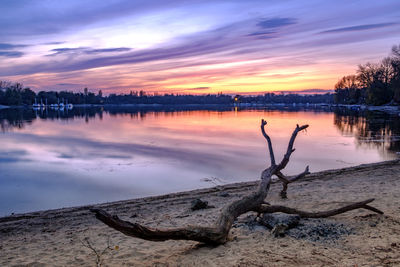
36	105
68	106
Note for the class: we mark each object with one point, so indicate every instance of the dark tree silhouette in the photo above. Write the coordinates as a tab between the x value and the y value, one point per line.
374	84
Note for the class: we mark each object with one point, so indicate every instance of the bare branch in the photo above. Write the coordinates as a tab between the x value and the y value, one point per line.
290	149
320	214
218	233
196	233
300	175
86	243
287	180
271	152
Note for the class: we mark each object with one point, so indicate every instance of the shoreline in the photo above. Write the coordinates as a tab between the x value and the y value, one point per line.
321	175
391	109
359	237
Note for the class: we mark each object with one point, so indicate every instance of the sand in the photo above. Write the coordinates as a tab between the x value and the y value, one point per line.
357	238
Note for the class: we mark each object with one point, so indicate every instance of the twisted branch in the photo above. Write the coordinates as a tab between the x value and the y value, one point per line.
287	180
290	148
321	214
271	151
218	233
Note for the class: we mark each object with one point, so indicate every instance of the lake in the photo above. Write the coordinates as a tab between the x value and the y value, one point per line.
52	159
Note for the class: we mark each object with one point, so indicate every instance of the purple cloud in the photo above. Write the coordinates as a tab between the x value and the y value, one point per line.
276	23
5	46
11	54
87	50
360	27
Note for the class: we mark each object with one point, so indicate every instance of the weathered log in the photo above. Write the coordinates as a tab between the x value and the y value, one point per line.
218	233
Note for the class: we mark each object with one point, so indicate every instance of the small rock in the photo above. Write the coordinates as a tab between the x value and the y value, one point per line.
272	220
279	230
224	194
199	204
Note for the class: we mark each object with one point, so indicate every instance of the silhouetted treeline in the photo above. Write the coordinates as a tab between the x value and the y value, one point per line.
272	98
142	98
374	83
14	94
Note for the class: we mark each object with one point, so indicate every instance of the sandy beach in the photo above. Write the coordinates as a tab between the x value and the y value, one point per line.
358	238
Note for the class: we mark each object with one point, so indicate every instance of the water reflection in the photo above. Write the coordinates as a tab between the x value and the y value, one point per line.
373	129
51	159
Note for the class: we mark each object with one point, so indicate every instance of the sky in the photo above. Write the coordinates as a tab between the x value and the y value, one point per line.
192	47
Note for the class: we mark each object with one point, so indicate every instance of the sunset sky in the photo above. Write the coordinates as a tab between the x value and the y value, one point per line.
192	46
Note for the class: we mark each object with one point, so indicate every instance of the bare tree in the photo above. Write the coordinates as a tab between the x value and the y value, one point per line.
218	233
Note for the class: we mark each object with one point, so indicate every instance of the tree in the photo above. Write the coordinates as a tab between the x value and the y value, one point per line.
395	83
376	78
28	96
218	233
347	90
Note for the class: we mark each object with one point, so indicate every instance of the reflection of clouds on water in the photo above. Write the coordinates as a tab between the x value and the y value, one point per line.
38	188
125	156
85	148
12	156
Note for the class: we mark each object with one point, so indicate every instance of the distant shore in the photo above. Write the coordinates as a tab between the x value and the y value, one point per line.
55	237
384	108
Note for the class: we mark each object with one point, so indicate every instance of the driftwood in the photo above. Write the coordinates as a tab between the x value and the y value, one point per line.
218	233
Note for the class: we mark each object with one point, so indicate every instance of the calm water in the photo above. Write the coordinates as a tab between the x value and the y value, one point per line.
56	159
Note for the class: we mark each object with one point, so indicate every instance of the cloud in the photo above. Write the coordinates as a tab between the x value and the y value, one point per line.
65	50
7	50
276	23
360	27
199	88
108	50
200	44
53	43
87	50
263	33
308	91
5	46
11	54
41	18
257	36
68	84
220	40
